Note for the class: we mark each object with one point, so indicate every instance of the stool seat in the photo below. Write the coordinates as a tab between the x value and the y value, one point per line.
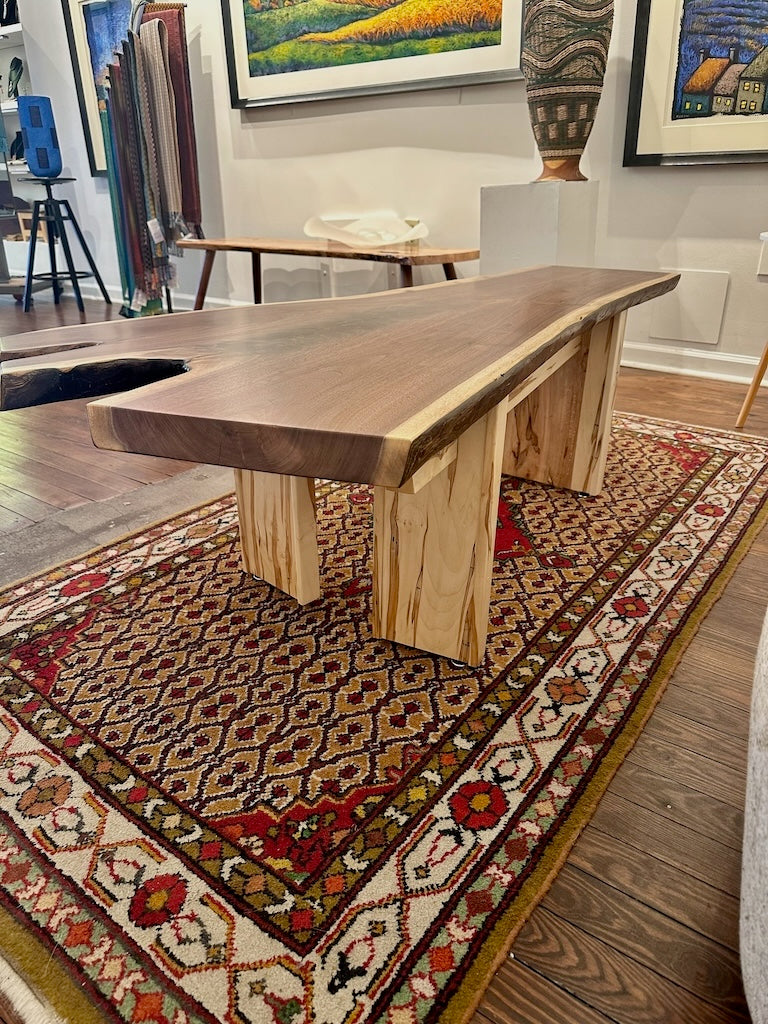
45	181
56	213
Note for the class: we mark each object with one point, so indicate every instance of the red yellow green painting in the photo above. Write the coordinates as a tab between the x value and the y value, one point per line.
299	35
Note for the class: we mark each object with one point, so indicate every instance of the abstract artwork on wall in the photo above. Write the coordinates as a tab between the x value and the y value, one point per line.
95	28
699	87
282	51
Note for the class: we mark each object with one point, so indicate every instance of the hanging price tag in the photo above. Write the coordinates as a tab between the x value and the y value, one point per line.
156	230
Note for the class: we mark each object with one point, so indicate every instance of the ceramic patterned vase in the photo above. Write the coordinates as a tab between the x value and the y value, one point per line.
565	50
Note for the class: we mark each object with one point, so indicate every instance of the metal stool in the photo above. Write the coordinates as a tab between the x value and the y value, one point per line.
55	213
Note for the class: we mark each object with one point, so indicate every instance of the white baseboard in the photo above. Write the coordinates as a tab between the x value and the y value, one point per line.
181	300
737	369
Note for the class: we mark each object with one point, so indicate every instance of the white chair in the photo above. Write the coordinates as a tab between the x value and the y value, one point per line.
761	367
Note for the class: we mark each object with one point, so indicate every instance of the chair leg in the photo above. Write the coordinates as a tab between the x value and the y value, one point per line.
753	389
86	251
31	254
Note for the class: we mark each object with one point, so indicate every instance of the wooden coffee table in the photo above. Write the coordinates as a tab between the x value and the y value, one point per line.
428	394
406	256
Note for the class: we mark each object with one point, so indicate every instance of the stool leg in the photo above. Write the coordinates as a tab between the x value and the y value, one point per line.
53	233
753	389
68	256
87	252
31	254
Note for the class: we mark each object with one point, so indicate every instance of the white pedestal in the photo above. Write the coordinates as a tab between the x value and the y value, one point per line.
544	223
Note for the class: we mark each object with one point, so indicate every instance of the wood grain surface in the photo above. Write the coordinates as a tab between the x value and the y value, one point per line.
409	253
362	389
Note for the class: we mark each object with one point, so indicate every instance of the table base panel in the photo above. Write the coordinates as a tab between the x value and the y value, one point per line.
278	531
433	551
559	433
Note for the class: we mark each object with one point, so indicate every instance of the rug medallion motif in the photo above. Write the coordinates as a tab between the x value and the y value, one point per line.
220	806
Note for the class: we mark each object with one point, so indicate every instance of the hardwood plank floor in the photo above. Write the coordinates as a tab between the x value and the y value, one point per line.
641	926
47	459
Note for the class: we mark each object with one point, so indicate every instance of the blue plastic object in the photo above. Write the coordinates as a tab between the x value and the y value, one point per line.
38	130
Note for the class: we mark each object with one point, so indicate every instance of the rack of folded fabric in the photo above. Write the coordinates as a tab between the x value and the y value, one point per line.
151	153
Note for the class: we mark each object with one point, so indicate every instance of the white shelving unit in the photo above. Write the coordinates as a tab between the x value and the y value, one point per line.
12	45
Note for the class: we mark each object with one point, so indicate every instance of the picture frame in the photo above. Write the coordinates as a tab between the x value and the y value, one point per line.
95	29
408	66
673	40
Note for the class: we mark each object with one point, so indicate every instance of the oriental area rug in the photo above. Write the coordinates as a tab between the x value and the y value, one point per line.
218	806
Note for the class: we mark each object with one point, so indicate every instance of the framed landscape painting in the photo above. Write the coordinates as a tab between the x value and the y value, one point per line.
699	84
282	51
95	28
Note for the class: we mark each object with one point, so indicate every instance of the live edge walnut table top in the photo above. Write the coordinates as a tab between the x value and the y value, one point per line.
425	393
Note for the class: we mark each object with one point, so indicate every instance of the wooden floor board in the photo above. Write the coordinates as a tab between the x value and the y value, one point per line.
672	891
701	857
25	505
701	739
608	980
701	773
669	798
47	482
727	719
520	995
10	521
74	473
690	961
55	449
648	926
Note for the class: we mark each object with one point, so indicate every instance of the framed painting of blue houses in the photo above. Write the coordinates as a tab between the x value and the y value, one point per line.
699	84
284	51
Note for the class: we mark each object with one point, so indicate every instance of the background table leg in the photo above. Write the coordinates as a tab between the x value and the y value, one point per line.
205	277
433	551
278	531
258	296
559	434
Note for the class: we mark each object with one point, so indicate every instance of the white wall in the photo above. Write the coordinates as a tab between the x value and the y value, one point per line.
427	154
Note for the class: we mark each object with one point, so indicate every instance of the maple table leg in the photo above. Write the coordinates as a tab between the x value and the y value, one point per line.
278	532
433	550
559	433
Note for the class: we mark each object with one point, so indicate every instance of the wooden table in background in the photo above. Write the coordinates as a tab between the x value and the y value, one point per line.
428	394
406	256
